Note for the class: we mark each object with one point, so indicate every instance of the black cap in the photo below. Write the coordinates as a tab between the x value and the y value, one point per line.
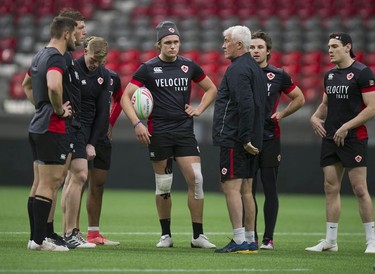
166	28
345	39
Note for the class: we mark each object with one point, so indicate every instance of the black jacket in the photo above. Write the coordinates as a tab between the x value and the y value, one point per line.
240	104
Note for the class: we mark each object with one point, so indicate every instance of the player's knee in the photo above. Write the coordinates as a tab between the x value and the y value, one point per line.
163	183
198	181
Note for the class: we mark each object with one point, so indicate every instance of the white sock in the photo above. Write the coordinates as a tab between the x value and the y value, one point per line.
93	228
369	231
250	236
239	235
331	232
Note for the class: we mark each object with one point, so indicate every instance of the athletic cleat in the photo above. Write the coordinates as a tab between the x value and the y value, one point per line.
253	247
201	242
323	245
370	247
29	244
233	247
76	239
267	244
100	240
58	240
165	241
47	246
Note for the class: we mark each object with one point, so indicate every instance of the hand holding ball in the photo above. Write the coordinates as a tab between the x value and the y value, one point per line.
142	102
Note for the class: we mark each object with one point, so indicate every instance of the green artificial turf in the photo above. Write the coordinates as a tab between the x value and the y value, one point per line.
130	217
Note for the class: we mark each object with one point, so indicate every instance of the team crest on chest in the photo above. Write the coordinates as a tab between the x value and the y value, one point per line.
224	171
358	158
270	75
100	80
349	76
185	68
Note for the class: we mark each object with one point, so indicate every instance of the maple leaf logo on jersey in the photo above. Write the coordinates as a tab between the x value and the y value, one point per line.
224	171
270	75
350	76
171	30
185	68
358	158
100	80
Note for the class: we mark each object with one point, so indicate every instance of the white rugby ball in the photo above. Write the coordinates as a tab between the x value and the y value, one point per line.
142	102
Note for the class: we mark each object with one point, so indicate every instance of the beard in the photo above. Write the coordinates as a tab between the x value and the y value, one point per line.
71	46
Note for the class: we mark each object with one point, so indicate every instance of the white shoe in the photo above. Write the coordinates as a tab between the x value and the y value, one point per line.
201	242
323	245
47	246
370	247
29	244
165	241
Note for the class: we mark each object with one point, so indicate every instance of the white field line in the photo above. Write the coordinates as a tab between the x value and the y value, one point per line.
131	233
127	270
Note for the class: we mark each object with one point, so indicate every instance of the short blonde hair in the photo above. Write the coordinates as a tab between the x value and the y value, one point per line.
97	46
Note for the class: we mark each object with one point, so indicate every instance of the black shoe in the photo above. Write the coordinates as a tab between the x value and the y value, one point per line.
58	240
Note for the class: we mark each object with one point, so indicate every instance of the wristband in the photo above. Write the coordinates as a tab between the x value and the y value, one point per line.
62	114
137	123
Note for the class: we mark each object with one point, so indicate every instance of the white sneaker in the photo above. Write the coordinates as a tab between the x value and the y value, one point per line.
47	246
29	244
323	245
201	242
165	241
370	247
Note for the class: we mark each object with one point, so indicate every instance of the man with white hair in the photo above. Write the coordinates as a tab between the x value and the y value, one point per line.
238	129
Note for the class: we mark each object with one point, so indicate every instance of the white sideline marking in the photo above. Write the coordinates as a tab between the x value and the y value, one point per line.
207	233
124	270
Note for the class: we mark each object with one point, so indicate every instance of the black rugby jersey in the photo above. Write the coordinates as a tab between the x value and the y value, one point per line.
44	119
278	81
344	88
95	99
72	92
170	85
116	92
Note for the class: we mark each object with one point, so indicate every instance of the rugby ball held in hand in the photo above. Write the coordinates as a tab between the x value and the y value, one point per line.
142	102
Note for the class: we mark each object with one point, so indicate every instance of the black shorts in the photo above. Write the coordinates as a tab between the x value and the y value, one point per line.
235	163
352	154
102	159
78	141
270	155
172	145
49	148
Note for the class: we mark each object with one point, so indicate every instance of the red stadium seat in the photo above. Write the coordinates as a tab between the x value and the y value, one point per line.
129	55
312	57
146	55
210	57
192	54
370	58
6	56
310	69
8	43
292	57
128	68
103	4
113	55
15	87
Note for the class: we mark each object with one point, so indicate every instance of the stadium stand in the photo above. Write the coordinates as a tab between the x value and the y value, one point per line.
299	30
